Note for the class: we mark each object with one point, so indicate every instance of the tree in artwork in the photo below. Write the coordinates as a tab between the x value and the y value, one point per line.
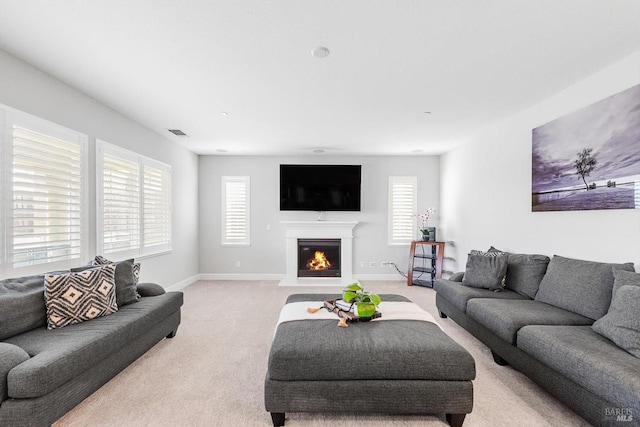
585	164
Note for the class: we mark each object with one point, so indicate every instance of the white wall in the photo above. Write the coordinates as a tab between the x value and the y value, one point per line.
25	88
265	258
486	188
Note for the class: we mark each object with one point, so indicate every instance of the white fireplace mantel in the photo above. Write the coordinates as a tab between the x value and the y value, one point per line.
295	230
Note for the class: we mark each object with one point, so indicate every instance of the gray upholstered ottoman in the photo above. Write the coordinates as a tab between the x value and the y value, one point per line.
382	366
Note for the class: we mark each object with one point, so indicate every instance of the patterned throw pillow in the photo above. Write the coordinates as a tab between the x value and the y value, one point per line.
127	277
136	273
77	297
100	260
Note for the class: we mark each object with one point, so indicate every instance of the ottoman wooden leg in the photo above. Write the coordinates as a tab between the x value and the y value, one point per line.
277	418
455	420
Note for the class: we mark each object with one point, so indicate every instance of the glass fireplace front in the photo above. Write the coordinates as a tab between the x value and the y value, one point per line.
319	258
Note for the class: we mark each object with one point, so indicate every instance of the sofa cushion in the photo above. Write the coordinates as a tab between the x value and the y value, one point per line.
624	278
22	302
58	355
588	359
583	287
524	272
484	270
458	295
150	289
622	323
10	357
77	297
505	317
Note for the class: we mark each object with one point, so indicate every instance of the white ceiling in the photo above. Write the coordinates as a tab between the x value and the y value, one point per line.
178	64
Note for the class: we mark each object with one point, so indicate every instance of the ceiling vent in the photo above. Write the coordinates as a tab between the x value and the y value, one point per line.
177	132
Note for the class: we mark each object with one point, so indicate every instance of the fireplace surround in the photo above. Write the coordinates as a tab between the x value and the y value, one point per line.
318	230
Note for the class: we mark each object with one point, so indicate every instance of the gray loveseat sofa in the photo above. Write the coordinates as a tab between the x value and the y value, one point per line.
572	326
44	372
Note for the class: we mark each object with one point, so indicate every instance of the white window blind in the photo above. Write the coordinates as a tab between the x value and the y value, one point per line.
47	194
134	203
121	204
235	210
402	206
157	206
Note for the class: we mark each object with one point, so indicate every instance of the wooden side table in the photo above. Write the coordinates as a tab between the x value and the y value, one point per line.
433	251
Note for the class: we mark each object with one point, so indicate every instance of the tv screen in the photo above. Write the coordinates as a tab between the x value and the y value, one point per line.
320	187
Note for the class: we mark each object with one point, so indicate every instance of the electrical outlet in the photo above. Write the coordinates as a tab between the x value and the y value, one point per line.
361	263
372	264
237	263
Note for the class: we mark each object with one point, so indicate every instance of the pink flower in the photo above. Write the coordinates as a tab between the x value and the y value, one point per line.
424	217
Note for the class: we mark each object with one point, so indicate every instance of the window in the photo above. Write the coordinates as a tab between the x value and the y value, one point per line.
134	203
45	202
156	206
402	206
235	210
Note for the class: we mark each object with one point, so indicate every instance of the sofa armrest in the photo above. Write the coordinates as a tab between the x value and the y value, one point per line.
457	277
150	289
10	357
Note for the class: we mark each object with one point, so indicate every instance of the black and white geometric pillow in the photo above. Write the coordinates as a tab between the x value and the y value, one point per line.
488	253
77	297
100	260
136	272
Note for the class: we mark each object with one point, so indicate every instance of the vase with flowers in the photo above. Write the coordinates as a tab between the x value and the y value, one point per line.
423	219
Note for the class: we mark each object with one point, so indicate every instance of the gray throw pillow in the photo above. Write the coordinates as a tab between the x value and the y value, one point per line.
524	272
622	323
624	278
485	271
582	287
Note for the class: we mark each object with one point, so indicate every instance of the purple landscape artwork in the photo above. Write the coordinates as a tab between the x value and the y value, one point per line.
589	159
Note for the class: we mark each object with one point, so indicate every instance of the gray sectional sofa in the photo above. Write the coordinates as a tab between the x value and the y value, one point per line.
45	372
572	326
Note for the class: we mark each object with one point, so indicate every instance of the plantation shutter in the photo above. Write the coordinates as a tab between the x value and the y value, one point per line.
134	203
402	206
120	204
235	210
157	207
47	195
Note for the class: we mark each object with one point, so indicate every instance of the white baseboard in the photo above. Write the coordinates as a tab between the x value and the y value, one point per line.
240	276
269	276
183	284
384	277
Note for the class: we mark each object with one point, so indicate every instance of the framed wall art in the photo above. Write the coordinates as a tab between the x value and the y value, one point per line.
589	159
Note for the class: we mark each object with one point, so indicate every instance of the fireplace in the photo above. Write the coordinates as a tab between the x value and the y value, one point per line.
318	257
341	231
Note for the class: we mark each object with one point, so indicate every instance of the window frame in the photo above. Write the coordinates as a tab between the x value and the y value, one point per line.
224	239
143	250
392	238
10	118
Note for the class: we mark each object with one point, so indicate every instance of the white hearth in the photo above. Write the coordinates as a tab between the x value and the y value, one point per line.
295	230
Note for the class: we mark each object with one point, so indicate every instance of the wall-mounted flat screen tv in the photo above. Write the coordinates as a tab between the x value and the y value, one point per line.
320	187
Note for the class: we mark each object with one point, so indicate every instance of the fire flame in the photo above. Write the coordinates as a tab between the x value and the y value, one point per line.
318	262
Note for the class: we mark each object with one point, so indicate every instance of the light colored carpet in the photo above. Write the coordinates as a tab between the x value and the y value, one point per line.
212	373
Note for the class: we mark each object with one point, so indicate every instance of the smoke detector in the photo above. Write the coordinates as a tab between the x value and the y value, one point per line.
320	52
